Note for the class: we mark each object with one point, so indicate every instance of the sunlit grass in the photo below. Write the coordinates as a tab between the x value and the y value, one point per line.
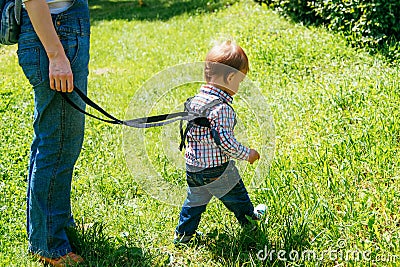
333	183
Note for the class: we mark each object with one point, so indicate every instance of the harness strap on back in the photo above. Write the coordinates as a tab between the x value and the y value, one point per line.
184	134
200	120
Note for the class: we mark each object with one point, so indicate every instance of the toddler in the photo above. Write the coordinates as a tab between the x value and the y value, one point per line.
210	169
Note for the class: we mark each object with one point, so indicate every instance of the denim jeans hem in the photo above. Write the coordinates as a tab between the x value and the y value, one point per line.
50	254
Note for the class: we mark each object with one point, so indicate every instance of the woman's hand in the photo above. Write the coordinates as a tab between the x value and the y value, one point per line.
60	73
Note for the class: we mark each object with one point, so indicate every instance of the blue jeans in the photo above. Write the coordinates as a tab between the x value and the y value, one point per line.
58	130
225	183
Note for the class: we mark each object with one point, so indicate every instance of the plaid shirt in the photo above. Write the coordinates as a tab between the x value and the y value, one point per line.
201	150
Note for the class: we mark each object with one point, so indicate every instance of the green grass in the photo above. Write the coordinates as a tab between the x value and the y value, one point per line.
333	184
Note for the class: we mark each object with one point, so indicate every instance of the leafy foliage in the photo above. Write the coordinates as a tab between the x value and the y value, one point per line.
374	24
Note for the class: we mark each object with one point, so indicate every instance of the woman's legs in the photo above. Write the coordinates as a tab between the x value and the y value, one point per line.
58	131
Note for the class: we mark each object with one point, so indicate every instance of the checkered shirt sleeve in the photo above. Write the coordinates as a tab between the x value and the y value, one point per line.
223	120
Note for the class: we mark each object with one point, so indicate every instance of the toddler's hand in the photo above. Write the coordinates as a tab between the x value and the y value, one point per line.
253	156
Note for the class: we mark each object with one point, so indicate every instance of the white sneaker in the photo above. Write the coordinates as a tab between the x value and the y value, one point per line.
260	210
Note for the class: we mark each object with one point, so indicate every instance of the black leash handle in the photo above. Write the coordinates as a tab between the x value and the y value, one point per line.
145	122
92	104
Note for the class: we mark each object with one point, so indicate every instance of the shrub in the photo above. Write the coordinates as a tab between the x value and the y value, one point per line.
373	23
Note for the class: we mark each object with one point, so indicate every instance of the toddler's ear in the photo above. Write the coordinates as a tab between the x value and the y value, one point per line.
230	77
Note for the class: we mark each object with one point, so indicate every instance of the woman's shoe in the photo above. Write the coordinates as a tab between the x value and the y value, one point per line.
71	259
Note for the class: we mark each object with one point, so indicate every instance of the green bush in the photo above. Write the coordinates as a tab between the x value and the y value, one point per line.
299	11
374	23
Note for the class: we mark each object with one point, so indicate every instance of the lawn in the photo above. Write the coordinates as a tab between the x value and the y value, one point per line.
324	115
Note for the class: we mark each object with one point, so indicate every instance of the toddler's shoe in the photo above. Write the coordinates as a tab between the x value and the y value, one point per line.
259	211
182	239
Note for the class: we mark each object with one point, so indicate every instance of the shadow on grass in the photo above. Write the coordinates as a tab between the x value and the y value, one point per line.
150	9
235	249
99	249
253	244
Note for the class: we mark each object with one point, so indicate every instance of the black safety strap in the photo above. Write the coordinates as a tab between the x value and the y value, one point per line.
201	120
89	102
145	122
184	134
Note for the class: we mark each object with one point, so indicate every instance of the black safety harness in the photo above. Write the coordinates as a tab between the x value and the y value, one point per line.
200	120
192	117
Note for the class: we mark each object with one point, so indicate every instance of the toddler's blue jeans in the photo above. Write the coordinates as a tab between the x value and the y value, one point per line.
58	130
225	183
